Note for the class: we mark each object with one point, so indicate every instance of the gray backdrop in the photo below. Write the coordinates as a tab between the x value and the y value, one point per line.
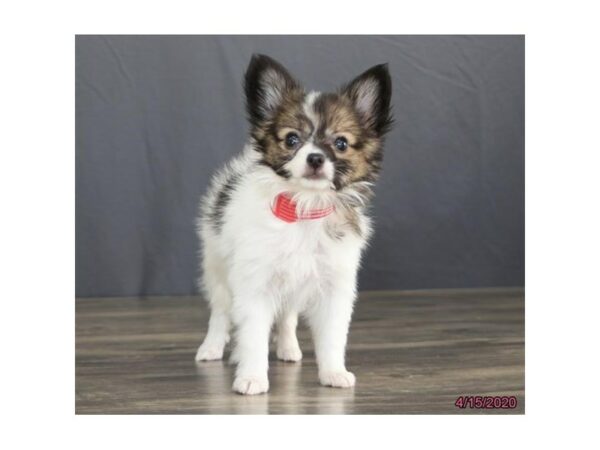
156	115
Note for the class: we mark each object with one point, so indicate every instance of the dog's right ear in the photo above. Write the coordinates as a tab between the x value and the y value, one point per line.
266	84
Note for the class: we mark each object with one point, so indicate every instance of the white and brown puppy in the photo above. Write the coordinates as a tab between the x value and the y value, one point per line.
283	226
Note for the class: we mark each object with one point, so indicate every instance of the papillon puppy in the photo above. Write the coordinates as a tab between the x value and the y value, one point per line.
283	225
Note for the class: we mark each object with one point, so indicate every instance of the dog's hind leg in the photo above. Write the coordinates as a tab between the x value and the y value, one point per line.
287	342
218	331
219	324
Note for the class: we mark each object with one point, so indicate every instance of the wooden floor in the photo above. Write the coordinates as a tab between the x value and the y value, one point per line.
412	353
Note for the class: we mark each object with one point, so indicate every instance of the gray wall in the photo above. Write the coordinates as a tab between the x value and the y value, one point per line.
156	115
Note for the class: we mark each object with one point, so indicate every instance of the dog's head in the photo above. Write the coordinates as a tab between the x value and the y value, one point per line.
318	141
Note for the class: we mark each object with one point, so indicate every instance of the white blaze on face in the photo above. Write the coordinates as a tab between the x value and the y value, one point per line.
308	107
301	172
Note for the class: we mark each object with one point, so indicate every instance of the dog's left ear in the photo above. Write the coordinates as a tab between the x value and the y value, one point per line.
266	84
371	93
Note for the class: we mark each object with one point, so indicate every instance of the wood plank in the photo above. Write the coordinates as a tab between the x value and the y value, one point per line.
412	353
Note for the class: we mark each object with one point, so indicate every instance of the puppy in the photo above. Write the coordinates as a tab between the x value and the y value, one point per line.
283	225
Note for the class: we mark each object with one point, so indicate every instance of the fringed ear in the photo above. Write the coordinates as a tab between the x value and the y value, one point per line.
266	83
371	93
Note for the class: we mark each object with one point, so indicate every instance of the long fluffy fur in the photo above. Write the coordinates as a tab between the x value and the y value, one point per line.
259	270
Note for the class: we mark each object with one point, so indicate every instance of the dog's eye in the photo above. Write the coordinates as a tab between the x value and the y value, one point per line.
292	140
341	143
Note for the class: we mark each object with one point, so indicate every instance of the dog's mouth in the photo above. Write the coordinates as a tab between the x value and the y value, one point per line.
314	180
315	176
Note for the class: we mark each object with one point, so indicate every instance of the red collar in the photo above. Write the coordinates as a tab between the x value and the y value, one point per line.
285	209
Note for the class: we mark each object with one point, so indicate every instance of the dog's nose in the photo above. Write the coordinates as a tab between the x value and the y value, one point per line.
315	160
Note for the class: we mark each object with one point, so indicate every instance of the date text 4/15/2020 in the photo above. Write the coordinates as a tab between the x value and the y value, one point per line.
485	402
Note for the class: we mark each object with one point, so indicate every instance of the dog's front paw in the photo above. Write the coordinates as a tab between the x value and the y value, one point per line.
251	385
289	353
341	379
209	352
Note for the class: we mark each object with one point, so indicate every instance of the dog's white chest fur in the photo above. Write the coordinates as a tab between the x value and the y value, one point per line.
292	263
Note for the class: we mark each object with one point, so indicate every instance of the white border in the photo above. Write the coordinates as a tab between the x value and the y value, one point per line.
37	188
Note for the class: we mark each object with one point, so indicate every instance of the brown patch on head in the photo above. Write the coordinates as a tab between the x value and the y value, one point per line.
360	161
273	102
270	134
